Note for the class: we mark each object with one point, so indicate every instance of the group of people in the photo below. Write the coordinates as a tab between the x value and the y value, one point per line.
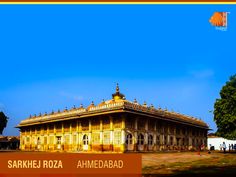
231	147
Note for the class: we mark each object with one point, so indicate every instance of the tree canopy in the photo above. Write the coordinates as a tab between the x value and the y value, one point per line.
225	110
3	121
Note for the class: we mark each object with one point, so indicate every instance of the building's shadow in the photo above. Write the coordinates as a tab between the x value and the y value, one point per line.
205	171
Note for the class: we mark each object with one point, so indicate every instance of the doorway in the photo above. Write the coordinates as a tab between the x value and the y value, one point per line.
150	142
58	143
85	142
140	142
129	142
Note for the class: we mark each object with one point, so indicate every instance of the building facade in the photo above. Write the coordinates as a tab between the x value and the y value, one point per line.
115	125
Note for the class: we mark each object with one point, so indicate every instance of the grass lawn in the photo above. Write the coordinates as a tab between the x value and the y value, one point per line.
189	163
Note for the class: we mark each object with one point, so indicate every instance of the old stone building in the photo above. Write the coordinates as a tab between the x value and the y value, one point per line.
116	125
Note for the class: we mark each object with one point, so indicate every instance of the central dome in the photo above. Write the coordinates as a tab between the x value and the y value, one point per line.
118	95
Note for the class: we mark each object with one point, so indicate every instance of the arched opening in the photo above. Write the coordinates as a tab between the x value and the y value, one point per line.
85	142
140	142
129	142
150	139
38	143
150	142
58	139
158	142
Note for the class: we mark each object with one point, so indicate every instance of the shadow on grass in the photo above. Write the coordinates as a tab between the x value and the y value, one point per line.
203	171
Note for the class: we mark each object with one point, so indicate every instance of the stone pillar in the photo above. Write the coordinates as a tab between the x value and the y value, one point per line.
135	134
80	141
174	137
90	125
163	141
48	136
123	135
90	136
123	122
111	134
146	136
190	143
154	137
101	136
79	136
111	122
168	137
70	128
30	140
136	123
70	137
54	137
21	141
122	146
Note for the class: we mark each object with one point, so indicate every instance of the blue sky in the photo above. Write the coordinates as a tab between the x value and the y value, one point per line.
57	56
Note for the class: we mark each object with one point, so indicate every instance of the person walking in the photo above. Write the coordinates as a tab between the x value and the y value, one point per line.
224	147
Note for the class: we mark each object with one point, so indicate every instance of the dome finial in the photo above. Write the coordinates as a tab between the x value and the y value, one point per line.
117	88
117	95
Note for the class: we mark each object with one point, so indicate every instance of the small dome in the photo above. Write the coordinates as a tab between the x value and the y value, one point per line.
145	104
151	106
102	103
91	105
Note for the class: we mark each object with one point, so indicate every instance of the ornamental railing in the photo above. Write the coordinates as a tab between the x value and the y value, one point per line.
113	106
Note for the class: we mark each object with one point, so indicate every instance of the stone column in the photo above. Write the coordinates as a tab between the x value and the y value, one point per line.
168	137
54	137
146	136
163	139
135	133
174	137
70	137
21	141
111	134
79	135
122	147
90	136
80	141
155	137
101	136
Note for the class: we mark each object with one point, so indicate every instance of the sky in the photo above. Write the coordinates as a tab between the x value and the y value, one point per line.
58	56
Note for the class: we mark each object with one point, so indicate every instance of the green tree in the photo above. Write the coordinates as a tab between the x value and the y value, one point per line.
3	121
225	110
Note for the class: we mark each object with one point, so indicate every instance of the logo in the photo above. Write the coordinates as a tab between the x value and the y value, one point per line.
220	20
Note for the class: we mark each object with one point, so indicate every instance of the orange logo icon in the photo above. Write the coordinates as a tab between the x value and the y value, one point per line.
219	19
